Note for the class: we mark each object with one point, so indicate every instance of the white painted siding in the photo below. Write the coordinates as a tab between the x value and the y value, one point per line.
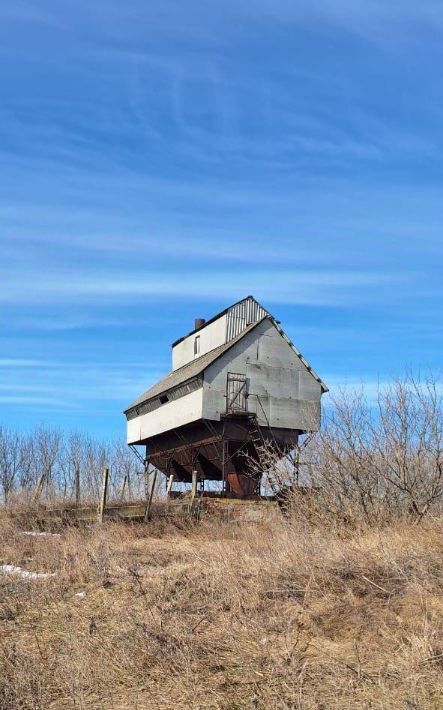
220	331
282	392
211	336
169	416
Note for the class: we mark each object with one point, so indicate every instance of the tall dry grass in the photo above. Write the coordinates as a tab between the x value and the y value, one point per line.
223	616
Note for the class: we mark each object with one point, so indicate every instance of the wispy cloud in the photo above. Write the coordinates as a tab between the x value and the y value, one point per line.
73	387
161	160
29	13
278	286
22	362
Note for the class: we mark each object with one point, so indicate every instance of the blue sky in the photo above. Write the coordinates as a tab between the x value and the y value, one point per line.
160	160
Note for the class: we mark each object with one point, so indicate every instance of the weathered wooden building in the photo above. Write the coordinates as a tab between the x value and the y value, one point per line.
237	381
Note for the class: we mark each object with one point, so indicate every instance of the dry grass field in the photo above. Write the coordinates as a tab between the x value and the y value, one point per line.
222	616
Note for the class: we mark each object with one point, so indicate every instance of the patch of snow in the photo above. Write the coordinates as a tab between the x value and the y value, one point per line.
33	533
20	572
80	595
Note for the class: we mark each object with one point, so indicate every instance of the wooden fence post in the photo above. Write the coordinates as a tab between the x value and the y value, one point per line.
194	485
77	486
150	495
38	489
122	489
169	486
101	509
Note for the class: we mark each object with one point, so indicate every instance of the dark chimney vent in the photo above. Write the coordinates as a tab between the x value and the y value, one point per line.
199	322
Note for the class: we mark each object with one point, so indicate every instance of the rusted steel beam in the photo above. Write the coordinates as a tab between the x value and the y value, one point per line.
186	445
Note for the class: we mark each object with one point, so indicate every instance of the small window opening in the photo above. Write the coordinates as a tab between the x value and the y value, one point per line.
164	398
197	345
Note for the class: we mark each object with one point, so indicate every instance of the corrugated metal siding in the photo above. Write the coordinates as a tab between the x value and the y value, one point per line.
241	315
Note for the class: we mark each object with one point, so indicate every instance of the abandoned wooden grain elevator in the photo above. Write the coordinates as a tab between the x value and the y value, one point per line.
237	382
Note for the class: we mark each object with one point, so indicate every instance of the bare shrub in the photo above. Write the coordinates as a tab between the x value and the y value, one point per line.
10	457
49	462
372	460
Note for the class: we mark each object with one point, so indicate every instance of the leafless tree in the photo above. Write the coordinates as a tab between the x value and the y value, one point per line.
28	473
410	448
10	445
372	459
128	474
47	449
52	459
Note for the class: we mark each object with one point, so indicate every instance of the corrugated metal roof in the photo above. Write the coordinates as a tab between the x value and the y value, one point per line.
190	370
251	299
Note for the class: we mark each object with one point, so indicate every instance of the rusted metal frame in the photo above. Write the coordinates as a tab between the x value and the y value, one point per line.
186	445
245	443
195	454
207	455
217	438
234	453
224	448
267	422
180	471
192	452
210	467
216	451
137	453
169	458
210	427
229	457
188	449
245	473
224	445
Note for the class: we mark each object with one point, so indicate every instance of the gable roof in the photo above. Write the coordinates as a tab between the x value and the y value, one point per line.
196	367
190	370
